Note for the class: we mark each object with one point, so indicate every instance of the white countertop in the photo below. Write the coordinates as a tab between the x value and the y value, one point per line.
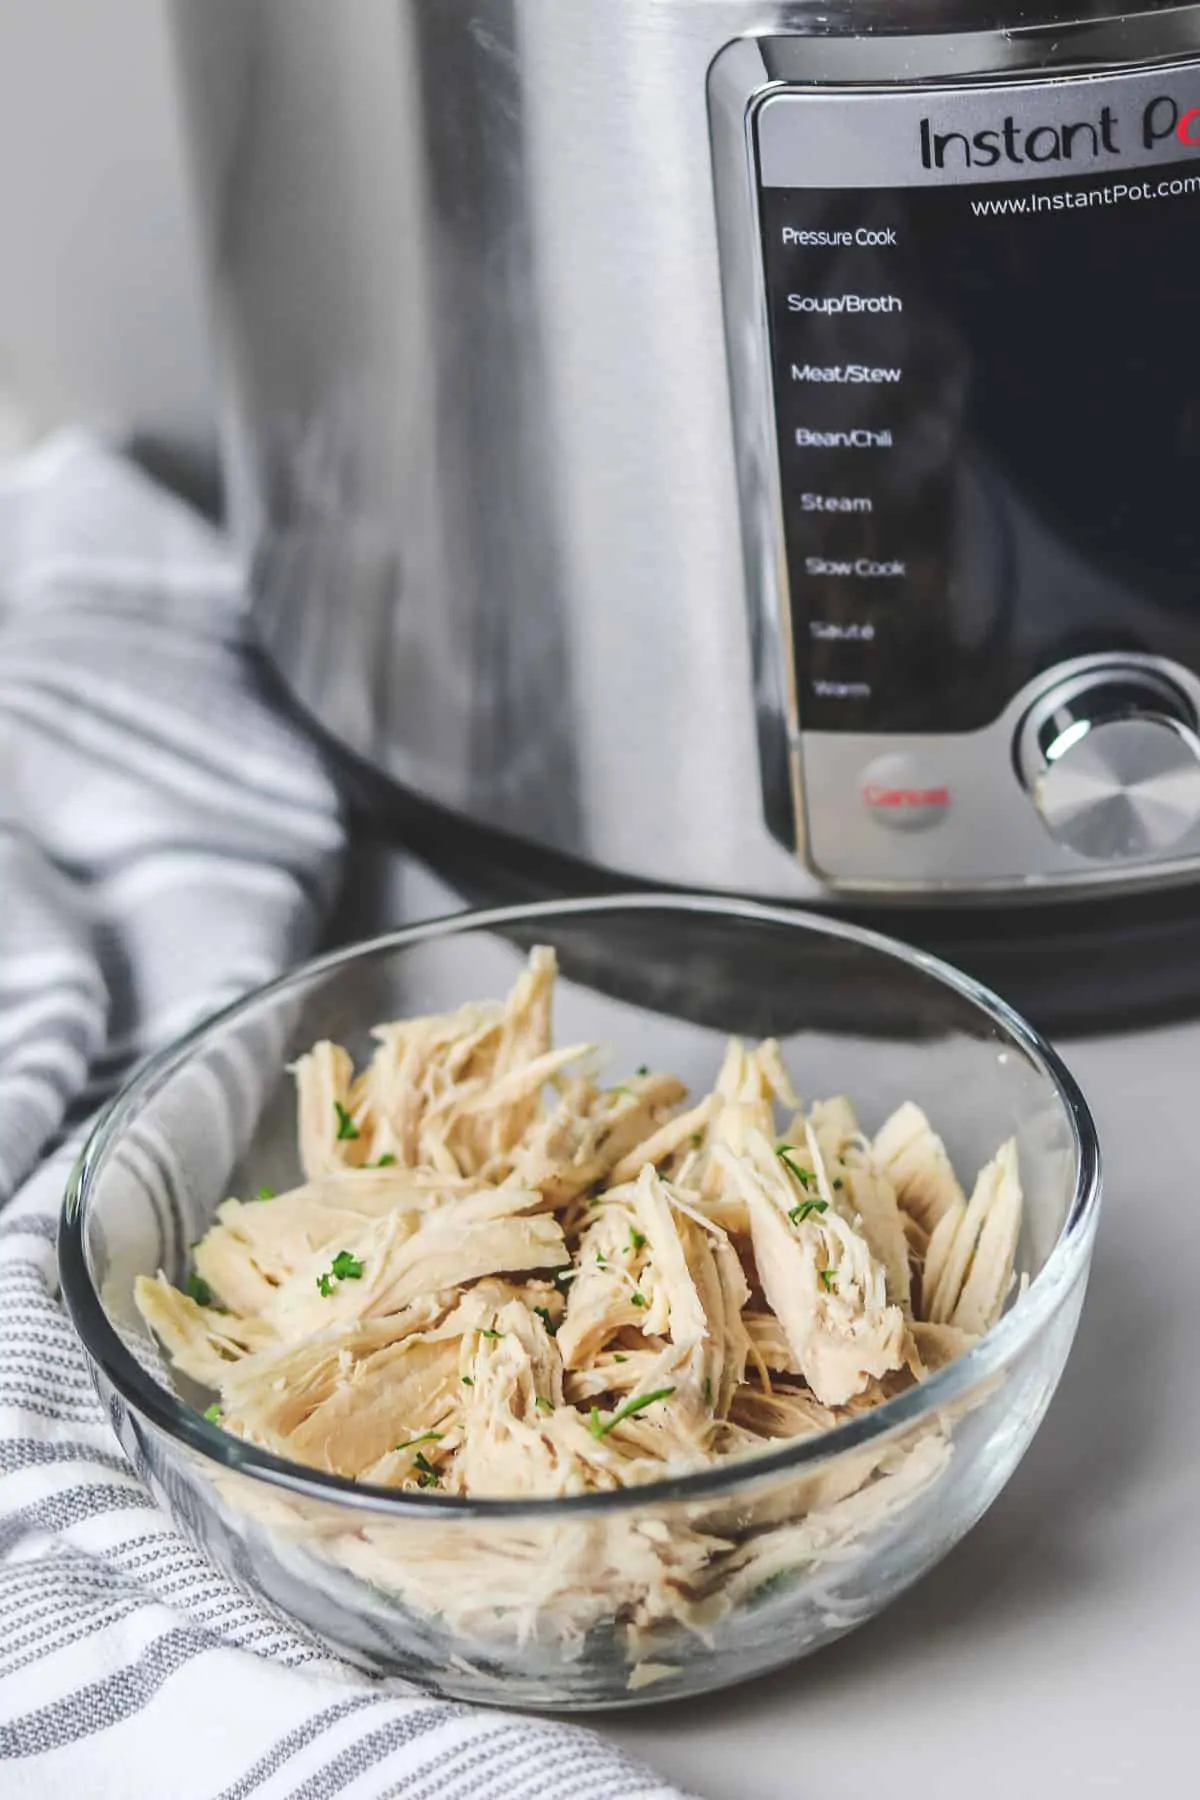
1055	1652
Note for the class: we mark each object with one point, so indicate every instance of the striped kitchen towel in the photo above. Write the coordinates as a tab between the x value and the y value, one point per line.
166	842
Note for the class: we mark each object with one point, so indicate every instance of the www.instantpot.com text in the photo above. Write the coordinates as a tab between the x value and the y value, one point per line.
1116	195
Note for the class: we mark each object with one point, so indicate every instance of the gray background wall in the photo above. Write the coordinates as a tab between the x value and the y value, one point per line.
101	316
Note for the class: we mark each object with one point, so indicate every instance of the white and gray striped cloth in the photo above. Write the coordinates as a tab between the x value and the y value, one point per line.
165	843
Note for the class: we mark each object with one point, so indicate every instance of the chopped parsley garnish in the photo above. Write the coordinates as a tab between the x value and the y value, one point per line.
697	1139
774	1584
544	1315
487	1331
427	1476
637	1239
601	1259
426	1437
601	1427
786	1155
343	1268
347	1129
707	1391
799	1213
265	1193
213	1413
827	1278
385	1161
838	1182
467	1380
639	1300
620	1356
642	1069
542	1404
198	1290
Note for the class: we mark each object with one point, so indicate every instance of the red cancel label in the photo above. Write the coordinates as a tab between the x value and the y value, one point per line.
892	797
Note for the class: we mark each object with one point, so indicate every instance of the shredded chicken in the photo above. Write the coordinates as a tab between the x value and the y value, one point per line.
914	1159
501	1278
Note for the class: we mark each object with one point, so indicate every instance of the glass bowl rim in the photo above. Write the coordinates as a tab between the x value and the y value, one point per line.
182	1424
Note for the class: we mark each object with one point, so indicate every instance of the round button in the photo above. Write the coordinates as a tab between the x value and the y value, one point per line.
1125	788
1112	760
905	793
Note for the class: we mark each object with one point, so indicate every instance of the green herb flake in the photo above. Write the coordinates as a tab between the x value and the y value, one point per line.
838	1183
639	1300
325	1284
601	1427
346	1128
487	1331
543	1314
774	1584
697	1139
827	1279
197	1289
427	1476
347	1267
426	1437
467	1380
542	1404
786	1154
265	1193
799	1213
386	1161
620	1356
707	1391
213	1413
637	1239
643	1069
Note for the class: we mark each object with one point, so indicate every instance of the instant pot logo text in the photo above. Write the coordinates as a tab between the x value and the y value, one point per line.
1160	122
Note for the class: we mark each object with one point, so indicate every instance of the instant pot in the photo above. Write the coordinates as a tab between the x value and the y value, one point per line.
730	443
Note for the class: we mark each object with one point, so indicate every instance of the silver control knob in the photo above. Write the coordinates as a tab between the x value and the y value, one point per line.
1112	759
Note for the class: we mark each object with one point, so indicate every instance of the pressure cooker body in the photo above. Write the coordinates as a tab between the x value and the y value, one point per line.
726	443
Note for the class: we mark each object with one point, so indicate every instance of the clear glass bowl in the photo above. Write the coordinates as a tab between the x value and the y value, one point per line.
464	1596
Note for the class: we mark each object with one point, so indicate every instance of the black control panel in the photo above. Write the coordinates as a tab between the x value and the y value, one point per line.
987	398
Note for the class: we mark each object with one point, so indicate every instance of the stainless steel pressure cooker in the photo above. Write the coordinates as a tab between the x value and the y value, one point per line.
744	443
